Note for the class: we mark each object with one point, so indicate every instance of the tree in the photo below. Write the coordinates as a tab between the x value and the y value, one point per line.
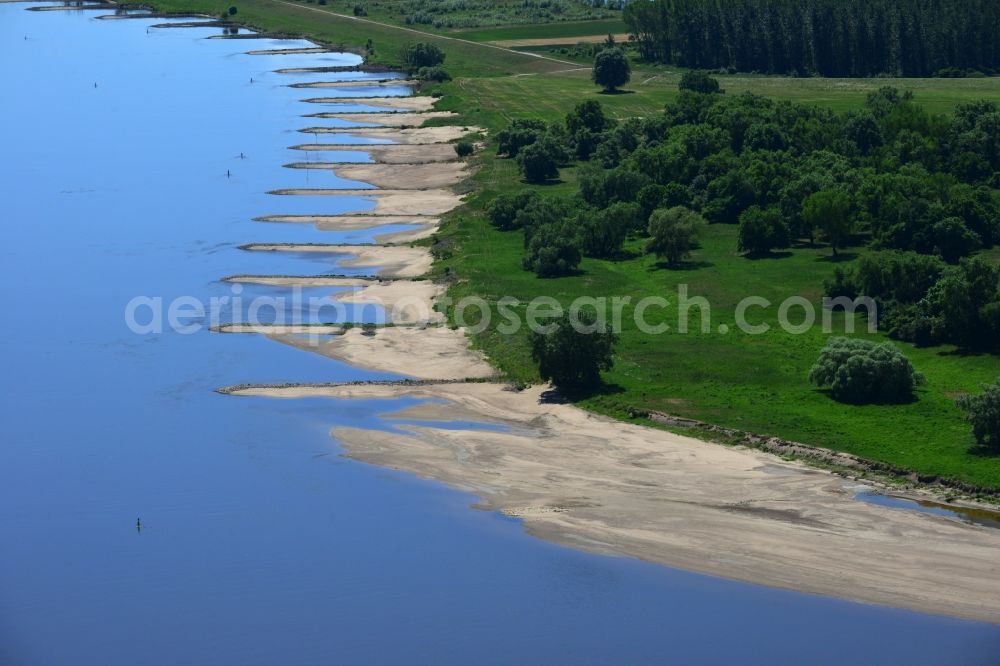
952	239
611	69
232	10
761	230
520	133
673	233
983	412
605	231
700	82
503	211
539	161
464	148
553	249
829	211
573	356
436	73
421	54
861	372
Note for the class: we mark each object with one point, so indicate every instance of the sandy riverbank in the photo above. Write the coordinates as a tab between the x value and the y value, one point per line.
391	202
388	153
356	83
414	135
385	119
435	352
426	226
606	486
392	260
390	176
413	104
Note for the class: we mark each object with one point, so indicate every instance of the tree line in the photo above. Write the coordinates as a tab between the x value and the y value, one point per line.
820	37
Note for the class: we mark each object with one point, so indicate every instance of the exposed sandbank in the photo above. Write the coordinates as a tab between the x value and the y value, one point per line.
427	225
589	482
356	83
389	153
412	104
394	260
405	301
392	202
305	281
435	352
390	176
410	135
310	49
386	119
271	330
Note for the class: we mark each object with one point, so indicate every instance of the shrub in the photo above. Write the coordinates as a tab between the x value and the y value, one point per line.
232	10
673	233
359	10
611	69
761	230
861	372
553	249
573	359
700	82
420	55
436	73
464	148
983	412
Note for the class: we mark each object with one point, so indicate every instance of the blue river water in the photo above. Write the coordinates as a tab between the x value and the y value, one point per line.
261	545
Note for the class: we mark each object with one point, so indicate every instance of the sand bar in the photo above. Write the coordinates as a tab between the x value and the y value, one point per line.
410	135
426	225
435	352
602	485
389	153
281	329
412	104
386	119
394	260
391	202
311	49
356	83
389	176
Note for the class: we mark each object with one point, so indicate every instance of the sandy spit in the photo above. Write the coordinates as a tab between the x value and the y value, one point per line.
601	485
392	202
427	225
386	119
356	83
305	281
391	153
404	301
312	49
410	104
282	329
393	260
410	135
389	176
435	352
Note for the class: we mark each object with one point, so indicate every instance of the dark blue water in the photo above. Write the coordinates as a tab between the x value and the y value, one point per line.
261	545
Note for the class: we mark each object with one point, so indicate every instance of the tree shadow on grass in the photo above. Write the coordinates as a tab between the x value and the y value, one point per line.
682	266
556	396
838	258
616	91
771	254
909	400
980	451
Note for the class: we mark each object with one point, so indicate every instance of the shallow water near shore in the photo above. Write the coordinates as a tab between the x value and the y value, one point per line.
260	544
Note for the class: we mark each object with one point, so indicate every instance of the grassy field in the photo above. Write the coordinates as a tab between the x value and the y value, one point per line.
755	383
545	31
323	24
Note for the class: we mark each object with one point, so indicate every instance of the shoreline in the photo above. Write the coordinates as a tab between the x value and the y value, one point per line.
734	513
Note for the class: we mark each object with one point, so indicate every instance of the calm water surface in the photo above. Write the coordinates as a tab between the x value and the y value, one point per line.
262	545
